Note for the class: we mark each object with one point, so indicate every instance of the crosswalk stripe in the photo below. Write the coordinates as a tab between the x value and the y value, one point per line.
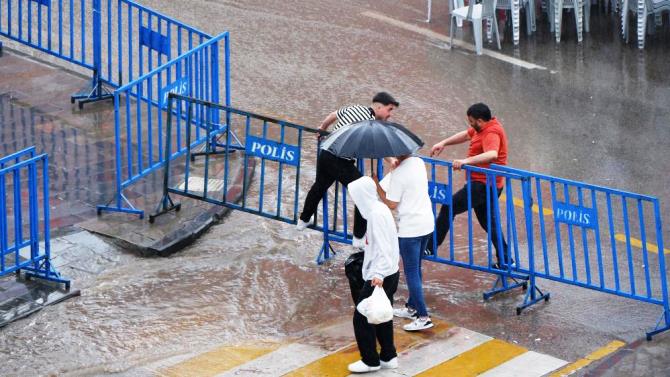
279	362
529	364
217	361
449	345
335	364
595	355
477	360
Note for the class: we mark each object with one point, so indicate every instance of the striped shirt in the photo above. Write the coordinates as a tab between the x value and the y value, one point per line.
352	114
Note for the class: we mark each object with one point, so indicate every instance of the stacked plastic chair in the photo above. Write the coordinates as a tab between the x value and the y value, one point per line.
643	9
476	13
582	10
514	7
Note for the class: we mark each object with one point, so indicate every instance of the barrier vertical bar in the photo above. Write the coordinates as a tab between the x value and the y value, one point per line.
571	239
3	221
585	245
629	251
60	27
468	182
281	170
450	171
601	274
82	25
615	261
226	155
247	127
109	40
296	196
29	4
643	236
662	272
261	191
557	229
33	214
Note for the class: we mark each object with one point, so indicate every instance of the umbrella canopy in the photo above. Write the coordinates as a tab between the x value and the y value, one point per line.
372	139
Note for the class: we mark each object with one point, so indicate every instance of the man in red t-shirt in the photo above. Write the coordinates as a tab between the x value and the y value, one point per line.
488	144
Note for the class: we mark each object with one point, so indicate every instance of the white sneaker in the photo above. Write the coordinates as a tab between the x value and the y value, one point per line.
361	367
358	242
301	225
419	324
405	313
391	364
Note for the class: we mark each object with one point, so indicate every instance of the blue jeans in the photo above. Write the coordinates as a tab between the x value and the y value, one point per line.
411	250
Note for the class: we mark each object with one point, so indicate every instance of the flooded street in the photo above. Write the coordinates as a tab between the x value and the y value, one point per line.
596	113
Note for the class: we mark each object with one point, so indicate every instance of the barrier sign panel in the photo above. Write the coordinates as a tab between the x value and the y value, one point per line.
574	215
439	192
272	150
180	86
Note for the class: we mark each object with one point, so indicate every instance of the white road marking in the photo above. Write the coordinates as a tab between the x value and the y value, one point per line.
457	42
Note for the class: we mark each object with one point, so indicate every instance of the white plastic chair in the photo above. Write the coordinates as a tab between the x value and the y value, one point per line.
514	7
642	8
582	10
476	13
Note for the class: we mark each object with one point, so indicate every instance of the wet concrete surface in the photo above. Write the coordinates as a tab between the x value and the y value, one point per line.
598	113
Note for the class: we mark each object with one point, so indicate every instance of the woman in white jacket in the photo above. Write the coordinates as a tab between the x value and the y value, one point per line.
380	269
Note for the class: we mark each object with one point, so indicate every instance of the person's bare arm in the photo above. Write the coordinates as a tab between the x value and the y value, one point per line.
382	194
482	158
328	121
457	138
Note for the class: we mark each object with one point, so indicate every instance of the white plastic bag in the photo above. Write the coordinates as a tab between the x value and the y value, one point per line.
376	308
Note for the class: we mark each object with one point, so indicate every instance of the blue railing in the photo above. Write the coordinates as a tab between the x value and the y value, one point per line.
121	41
582	222
118	40
600	238
24	219
277	144
140	116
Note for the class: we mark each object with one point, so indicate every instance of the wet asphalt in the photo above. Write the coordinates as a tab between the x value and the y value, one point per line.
597	113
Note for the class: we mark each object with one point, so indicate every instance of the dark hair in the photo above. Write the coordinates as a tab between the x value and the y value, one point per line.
480	111
385	99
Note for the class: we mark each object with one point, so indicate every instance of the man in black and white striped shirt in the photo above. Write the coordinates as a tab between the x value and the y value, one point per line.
330	168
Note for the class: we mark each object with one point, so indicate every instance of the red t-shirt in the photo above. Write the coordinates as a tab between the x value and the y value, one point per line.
491	138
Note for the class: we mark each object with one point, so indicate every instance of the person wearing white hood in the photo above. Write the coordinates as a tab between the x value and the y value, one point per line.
380	269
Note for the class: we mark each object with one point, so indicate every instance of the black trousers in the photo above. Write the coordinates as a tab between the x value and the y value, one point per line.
330	168
368	335
460	202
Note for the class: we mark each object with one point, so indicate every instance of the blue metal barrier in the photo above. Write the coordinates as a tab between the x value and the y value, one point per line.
118	40
580	227
275	143
139	113
23	221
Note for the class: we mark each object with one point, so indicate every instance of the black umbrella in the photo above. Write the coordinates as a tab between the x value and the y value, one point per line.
372	139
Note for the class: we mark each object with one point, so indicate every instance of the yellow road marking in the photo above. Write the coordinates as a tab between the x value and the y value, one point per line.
596	355
335	364
519	203
637	243
477	360
216	361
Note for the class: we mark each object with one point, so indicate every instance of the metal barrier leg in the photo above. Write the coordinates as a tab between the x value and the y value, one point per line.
93	93
533	296
665	317
118	208
502	284
211	147
45	271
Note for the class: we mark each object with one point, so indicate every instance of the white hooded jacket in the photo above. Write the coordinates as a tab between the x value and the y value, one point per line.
381	247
